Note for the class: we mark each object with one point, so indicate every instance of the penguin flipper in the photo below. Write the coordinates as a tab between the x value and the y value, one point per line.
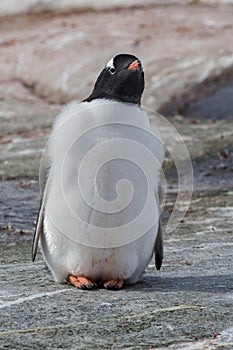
44	170
38	231
158	248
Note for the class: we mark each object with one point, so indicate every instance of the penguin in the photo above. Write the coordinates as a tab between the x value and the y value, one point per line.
99	218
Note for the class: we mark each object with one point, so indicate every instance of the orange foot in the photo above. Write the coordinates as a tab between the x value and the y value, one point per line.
81	282
113	284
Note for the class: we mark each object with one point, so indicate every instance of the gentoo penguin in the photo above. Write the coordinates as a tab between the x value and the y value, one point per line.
98	223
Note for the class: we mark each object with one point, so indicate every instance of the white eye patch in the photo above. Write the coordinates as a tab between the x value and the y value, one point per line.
110	67
110	64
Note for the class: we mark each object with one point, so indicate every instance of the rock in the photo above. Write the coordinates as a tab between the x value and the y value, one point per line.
183	303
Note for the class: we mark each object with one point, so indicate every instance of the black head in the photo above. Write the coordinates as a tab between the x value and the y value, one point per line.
122	80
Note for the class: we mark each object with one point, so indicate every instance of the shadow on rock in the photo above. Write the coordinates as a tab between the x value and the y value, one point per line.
214	284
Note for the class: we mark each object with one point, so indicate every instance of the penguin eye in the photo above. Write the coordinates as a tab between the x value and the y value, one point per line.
112	70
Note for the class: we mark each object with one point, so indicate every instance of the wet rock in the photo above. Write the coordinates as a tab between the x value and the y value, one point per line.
19	208
218	106
211	100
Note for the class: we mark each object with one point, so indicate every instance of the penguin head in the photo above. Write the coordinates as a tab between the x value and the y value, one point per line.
122	79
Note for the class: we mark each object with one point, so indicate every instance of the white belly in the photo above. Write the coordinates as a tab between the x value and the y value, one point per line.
101	216
65	257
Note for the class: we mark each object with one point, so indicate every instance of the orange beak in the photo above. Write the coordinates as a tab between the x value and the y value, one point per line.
134	65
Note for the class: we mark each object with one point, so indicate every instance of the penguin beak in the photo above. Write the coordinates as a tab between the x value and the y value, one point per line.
135	65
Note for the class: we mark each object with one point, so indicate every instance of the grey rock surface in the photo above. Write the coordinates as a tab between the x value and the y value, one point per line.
49	59
190	299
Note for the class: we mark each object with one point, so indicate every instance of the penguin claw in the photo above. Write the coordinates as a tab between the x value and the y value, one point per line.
113	284
81	282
